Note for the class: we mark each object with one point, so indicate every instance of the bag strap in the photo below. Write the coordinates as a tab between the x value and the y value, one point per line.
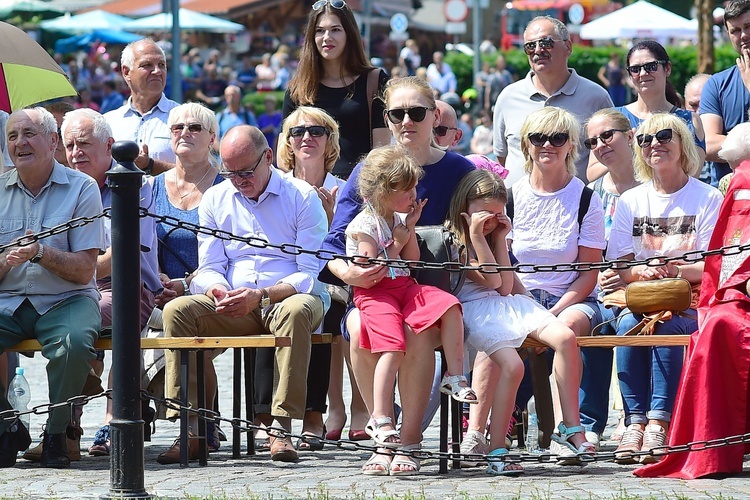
372	87
509	205
584	204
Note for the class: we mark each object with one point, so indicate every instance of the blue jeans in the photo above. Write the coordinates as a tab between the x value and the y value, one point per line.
597	368
649	376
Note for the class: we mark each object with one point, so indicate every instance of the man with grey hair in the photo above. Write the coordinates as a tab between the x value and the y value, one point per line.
549	83
46	283
234	113
143	117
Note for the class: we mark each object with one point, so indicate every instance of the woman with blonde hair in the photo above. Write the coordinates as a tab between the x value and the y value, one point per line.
670	214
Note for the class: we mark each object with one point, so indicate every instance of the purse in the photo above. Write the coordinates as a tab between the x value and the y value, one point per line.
657	300
439	245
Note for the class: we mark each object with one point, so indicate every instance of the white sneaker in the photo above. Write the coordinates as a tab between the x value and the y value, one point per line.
474	443
594	438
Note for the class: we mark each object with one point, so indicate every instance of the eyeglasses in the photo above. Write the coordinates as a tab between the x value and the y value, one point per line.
605	137
246	173
441	130
650	67
663	136
557	139
336	4
417	114
193	128
313	130
544	43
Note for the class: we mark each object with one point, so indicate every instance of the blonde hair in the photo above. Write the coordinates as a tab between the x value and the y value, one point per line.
387	169
689	159
551	120
418	85
616	117
476	185
285	155
201	113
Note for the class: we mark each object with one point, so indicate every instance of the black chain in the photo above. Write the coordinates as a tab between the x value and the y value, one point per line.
43	409
28	239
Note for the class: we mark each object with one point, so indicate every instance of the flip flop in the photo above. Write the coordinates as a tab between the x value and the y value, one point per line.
311	441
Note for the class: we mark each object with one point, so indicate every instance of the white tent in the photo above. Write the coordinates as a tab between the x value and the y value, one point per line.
86	22
189	20
638	20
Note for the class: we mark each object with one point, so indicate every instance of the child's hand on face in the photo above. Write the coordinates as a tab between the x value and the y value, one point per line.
416	212
401	234
503	225
476	222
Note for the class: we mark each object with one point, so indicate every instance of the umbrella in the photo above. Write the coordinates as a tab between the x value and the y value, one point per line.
11	8
189	20
28	74
92	20
637	20
74	43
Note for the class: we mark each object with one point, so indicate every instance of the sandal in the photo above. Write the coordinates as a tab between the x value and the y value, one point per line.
451	385
385	438
100	448
406	461
567	453
378	458
501	467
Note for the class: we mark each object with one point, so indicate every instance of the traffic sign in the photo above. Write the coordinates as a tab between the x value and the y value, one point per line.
576	13
455	11
399	23
455	28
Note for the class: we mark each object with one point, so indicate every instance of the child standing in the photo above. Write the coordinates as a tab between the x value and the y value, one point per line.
385	229
496	321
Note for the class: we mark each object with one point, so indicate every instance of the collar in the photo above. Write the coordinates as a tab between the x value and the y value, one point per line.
57	176
568	89
162	106
273	187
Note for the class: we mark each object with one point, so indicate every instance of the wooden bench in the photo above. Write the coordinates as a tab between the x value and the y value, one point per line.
200	344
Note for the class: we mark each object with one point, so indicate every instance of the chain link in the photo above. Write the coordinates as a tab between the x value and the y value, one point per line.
28	239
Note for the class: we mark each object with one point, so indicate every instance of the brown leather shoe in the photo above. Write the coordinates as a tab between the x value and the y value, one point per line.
282	450
172	455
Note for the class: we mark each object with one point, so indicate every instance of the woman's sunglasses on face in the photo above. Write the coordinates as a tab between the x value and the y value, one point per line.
417	114
605	137
663	136
650	67
545	43
556	140
336	4
193	128
441	130
313	130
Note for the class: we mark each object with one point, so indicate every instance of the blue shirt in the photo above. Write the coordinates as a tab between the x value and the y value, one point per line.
227	119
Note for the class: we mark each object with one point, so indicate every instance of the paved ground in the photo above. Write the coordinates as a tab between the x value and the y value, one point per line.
332	473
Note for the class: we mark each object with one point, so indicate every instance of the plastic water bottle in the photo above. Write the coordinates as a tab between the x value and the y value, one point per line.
532	430
19	395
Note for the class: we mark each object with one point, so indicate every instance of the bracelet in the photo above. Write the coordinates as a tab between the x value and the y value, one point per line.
185	286
150	167
679	272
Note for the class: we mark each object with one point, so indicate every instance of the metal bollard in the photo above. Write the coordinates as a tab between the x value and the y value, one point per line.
126	466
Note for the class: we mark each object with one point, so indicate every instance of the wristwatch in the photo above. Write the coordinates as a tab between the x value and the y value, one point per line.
35	259
265	299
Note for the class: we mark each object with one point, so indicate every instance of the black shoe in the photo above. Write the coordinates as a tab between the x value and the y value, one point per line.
55	451
15	439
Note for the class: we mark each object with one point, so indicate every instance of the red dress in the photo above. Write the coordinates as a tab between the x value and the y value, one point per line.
712	400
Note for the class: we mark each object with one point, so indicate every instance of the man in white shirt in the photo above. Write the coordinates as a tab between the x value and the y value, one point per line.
440	74
245	290
143	117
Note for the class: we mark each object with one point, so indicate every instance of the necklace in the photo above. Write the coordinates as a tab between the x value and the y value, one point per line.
195	185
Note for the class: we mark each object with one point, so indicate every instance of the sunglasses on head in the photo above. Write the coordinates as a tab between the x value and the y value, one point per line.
605	137
545	43
557	139
243	174
417	114
650	67
441	130
662	136
336	4
313	130
193	128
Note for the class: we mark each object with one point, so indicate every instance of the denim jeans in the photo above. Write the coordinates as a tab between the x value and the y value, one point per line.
649	376
597	368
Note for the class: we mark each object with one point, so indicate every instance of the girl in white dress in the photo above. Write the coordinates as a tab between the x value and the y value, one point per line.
496	321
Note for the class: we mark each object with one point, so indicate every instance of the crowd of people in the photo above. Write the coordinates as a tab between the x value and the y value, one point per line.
355	163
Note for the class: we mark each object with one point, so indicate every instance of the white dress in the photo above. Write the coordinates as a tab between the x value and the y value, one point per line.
493	321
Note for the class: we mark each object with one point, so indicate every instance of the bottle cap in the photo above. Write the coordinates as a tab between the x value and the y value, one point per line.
19	370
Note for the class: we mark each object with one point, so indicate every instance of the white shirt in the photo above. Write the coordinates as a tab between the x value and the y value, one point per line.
151	128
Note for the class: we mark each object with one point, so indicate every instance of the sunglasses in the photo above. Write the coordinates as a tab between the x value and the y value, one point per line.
336	4
243	174
441	130
605	137
193	128
545	43
417	114
313	130
557	139
650	67
662	136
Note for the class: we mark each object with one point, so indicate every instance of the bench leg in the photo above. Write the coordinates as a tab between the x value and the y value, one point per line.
250	396
456	414
443	422
184	380
236	402
542	396
200	366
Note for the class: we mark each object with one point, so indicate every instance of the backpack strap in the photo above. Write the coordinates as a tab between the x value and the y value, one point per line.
583	205
509	205
372	87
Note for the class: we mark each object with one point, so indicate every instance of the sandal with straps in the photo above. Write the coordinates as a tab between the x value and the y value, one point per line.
381	459
451	385
567	453
500	467
407	461
386	438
